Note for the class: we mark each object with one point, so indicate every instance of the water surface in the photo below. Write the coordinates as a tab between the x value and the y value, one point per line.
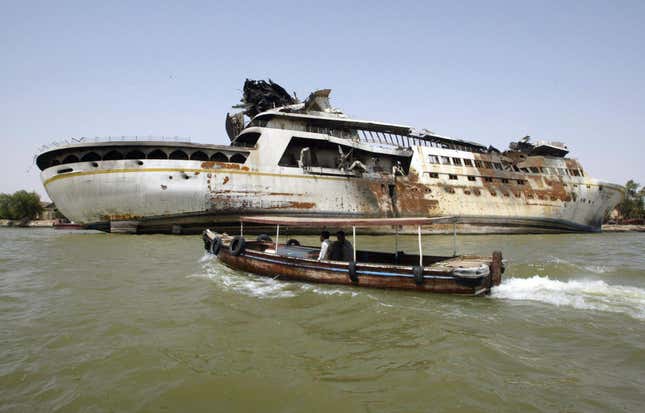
106	322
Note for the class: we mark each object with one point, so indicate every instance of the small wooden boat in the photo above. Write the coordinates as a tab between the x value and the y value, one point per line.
463	274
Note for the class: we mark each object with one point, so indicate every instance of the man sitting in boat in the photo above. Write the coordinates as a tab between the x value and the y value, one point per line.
341	249
324	246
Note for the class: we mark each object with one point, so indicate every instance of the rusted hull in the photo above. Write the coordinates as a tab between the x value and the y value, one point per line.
388	277
186	196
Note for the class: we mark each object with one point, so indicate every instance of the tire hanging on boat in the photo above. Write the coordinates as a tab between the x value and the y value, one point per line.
293	243
418	275
263	238
207	241
216	245
351	268
237	246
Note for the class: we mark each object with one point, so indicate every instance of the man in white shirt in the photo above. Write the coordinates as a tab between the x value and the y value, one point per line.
324	246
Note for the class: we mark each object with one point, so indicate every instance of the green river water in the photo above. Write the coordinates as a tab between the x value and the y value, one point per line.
94	322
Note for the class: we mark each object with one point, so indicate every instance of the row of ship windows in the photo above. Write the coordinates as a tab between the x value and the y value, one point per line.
528	195
379	137
445	160
408	141
155	154
474	178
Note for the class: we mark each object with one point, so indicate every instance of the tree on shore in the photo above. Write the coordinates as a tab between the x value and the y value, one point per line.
20	205
632	206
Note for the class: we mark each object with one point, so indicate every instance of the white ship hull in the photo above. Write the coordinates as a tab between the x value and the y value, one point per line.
184	196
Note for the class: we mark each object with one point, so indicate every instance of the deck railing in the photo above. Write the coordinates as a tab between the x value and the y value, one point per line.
73	141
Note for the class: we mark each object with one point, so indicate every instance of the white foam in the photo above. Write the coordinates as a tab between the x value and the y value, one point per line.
327	290
247	284
582	294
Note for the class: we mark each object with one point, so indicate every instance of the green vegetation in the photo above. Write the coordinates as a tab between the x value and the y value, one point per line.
20	205
632	206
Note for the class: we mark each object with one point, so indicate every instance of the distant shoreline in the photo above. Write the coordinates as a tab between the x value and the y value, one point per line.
49	223
623	228
38	223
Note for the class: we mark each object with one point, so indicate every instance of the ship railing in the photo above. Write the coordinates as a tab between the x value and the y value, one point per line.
96	139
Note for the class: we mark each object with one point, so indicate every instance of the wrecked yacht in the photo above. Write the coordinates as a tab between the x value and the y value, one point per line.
310	159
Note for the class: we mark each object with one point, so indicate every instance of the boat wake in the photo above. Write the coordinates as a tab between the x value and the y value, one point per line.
250	285
260	287
581	294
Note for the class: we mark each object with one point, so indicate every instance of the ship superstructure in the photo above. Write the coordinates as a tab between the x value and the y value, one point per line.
311	159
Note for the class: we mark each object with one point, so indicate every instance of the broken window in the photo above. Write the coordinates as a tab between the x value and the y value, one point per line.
504	180
488	165
135	154
198	156
468	162
472	178
521	181
497	165
433	174
157	154
478	163
488	179
238	158
219	157
247	139
456	161
535	170
433	159
445	160
92	156
70	159
178	154
111	156
451	176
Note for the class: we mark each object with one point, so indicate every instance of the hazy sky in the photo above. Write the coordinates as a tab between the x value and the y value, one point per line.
485	71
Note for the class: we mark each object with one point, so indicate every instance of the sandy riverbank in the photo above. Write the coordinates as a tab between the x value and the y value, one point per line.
623	228
29	224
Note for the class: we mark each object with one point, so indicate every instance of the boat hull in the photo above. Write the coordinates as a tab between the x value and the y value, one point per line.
366	275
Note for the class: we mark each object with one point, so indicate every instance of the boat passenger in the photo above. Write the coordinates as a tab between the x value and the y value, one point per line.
341	249
324	246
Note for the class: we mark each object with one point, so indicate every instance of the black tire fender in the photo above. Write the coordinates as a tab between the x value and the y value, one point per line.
293	243
418	275
351	269
237	246
207	241
263	238
216	245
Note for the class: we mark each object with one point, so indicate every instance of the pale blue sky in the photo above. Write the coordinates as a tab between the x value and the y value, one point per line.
486	71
